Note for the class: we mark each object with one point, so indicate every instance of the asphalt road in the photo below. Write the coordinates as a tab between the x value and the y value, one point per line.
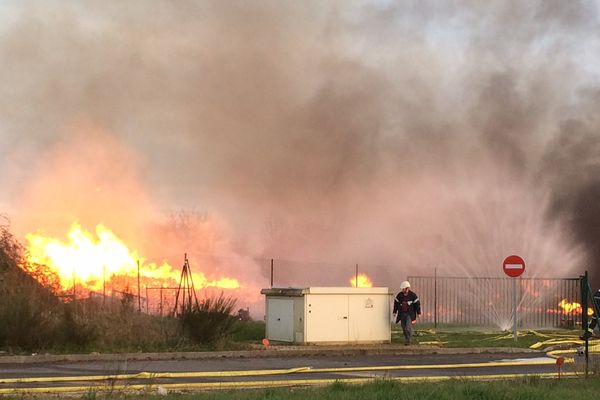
257	369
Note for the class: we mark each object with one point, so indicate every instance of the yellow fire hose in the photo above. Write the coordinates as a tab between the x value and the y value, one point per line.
283	383
212	385
551	340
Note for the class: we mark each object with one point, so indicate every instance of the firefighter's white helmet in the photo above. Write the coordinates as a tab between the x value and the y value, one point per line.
404	285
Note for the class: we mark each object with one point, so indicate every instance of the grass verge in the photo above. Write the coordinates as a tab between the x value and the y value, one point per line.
525	389
473	338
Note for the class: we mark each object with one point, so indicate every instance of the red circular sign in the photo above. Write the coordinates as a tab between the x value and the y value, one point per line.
513	266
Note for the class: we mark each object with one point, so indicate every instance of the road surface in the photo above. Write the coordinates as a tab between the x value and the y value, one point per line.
254	369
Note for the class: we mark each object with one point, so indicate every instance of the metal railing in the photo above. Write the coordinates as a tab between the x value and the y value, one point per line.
484	302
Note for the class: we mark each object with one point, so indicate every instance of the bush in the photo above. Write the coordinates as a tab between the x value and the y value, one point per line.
114	326
25	324
75	330
29	312
208	321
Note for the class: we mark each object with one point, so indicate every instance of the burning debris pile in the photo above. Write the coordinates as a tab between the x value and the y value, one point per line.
567	307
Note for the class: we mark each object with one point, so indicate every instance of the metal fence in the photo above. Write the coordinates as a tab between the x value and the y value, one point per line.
489	301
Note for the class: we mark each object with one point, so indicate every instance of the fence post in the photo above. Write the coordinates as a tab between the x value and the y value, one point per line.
584	317
103	285
161	300
435	298
138	287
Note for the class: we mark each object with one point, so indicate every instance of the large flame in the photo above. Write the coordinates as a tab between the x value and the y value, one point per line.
361	280
90	260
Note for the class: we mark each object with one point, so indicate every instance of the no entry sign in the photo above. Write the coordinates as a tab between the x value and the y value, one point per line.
513	266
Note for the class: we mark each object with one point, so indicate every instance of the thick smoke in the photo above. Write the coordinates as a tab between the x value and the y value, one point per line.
397	136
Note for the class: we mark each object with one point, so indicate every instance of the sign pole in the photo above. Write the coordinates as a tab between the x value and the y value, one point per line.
514	288
514	266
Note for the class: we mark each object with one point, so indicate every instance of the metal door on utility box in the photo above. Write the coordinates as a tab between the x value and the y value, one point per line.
326	318
369	318
280	321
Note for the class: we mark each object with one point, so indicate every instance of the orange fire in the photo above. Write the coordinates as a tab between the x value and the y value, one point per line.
361	280
573	307
91	259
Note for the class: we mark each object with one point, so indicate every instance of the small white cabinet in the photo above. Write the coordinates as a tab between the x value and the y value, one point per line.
328	315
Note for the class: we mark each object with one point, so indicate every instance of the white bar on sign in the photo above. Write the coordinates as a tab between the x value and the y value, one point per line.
513	266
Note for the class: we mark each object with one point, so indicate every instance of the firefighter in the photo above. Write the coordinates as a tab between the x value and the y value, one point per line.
406	308
593	319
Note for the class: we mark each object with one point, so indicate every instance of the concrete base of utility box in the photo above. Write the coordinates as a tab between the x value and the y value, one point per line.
328	315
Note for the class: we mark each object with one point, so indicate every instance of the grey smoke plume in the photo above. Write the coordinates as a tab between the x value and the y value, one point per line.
402	135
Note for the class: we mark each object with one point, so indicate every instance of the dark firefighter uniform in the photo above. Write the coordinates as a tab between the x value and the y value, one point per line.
594	319
406	308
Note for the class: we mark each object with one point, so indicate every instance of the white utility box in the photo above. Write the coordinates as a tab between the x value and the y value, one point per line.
328	315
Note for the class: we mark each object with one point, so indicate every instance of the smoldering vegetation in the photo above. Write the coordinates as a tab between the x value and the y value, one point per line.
407	135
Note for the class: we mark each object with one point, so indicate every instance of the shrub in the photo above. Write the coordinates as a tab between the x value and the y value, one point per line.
75	330
208	321
29	312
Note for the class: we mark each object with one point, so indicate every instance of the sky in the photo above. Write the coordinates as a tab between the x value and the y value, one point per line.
400	136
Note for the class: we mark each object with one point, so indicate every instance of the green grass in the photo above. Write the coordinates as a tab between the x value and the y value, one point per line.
526	389
249	331
448	336
472	337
